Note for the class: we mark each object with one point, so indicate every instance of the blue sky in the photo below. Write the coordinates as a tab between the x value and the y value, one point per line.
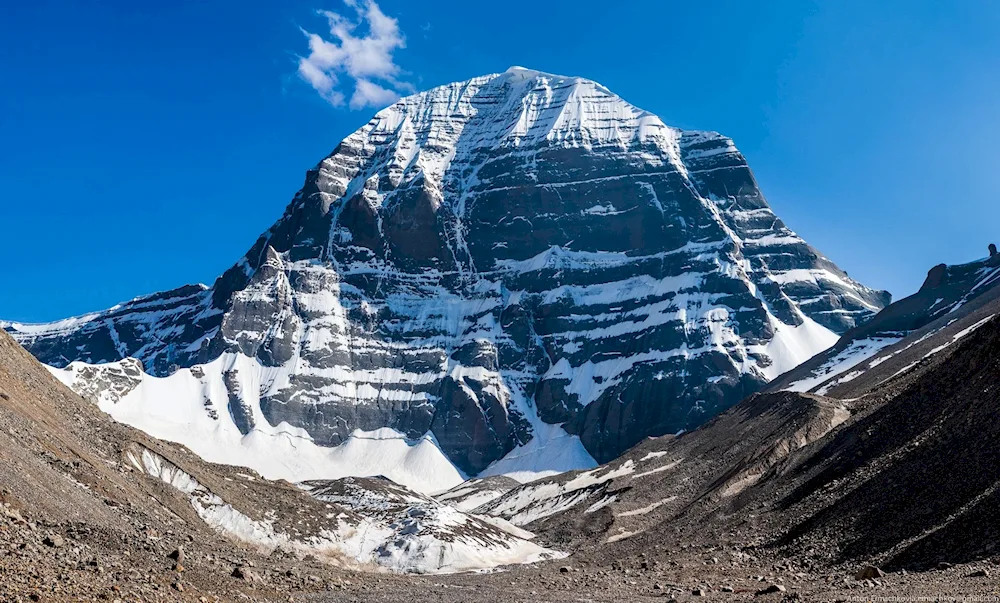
146	145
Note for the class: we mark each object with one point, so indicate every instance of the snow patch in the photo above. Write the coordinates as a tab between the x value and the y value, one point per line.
853	355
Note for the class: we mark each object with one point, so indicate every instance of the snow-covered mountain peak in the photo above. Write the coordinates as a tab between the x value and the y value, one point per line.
424	134
522	271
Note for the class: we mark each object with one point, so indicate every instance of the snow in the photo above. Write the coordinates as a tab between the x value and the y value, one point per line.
551	451
842	367
793	345
653	455
606	209
597	506
592	478
622	536
175	408
647	509
410	532
987	275
851	376
854	354
904	369
532	502
959	335
437	546
471	494
659	469
212	509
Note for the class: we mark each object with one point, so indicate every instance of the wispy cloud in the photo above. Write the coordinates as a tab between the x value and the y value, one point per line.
356	58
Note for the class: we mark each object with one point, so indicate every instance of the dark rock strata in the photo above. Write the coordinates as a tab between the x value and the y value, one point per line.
512	249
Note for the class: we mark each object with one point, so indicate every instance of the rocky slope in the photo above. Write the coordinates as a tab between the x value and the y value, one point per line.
952	302
93	507
521	270
894	469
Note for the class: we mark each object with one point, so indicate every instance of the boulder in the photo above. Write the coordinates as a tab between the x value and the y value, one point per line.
774	588
869	572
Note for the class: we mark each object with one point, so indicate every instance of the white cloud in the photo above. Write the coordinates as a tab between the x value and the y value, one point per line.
369	93
361	48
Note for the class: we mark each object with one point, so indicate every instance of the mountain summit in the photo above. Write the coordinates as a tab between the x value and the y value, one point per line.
521	272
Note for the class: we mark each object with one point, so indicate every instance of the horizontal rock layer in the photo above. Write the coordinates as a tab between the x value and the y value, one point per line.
491	256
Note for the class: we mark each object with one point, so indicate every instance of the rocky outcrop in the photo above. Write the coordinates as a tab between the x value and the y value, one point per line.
493	255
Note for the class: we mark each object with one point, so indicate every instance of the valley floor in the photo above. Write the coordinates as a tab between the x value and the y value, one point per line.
80	563
658	575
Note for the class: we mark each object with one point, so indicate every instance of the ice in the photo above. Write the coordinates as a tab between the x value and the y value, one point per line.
440	546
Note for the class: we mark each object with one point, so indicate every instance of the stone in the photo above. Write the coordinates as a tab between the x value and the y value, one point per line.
243	573
177	555
54	540
699	592
982	573
869	572
565	569
774	588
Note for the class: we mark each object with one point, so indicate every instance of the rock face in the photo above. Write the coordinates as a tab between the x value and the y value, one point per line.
492	256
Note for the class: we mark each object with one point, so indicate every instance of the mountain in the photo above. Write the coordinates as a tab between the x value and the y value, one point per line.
519	273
